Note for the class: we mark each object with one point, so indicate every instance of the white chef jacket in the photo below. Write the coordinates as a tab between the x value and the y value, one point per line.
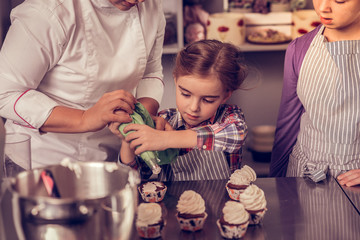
69	53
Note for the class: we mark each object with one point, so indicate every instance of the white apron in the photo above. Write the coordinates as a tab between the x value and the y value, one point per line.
329	89
197	165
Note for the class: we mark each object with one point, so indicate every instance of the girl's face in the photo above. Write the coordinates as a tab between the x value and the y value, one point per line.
198	99
125	5
340	17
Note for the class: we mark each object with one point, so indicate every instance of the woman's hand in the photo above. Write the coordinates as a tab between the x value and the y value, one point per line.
145	138
112	107
350	178
70	120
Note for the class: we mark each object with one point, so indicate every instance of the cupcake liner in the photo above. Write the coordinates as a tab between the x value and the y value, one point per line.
191	224
234	194
153	231
232	231
256	218
152	196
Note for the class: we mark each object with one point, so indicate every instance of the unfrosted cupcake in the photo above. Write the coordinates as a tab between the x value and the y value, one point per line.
239	180
235	220
254	201
152	191
149	222
191	213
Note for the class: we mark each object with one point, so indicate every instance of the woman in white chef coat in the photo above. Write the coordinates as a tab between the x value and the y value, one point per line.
67	66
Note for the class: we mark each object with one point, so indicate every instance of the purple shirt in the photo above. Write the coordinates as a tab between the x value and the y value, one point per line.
291	109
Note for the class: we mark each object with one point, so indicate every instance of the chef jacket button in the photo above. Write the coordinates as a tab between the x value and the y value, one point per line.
204	147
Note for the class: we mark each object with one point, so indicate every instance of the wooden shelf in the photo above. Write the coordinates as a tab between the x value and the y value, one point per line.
212	6
171	48
248	47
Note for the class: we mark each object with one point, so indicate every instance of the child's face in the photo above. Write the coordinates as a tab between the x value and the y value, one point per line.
198	98
339	16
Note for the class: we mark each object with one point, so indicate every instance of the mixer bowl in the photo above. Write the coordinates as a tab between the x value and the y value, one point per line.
85	189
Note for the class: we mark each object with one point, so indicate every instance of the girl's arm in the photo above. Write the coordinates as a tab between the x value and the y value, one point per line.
127	155
145	138
227	134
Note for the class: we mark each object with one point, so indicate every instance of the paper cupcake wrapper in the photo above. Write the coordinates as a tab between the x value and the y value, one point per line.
229	231
191	224
150	231
256	218
234	194
152	196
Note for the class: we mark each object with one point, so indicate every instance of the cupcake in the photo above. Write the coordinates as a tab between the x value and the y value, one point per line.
239	180
149	222
235	220
191	213
152	191
254	201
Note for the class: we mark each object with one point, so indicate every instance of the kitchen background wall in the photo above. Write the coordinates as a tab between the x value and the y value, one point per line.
5	8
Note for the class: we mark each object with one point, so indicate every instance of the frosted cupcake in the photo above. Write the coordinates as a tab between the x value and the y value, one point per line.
239	180
191	213
254	201
235	220
149	222
152	191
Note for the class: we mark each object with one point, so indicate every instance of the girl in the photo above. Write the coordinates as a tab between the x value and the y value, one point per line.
209	133
318	125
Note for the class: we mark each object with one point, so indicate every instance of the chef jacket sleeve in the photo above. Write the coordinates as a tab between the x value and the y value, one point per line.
152	85
32	46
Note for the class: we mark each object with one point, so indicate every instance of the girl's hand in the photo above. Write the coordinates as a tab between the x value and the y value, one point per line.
114	126
161	124
106	110
350	178
145	138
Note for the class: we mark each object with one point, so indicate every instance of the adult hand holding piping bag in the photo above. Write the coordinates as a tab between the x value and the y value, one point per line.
129	132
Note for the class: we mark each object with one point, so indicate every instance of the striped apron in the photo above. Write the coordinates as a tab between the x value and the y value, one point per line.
197	165
329	89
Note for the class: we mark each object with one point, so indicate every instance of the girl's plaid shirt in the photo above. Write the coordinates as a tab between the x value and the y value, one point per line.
226	131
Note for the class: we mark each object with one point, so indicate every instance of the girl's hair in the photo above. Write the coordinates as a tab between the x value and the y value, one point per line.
212	57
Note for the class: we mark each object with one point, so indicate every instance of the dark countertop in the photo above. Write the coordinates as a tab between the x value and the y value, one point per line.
297	209
353	194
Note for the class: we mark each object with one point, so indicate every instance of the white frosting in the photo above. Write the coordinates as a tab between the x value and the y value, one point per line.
243	176
249	173
253	198
148	214
73	166
111	166
191	202
150	187
235	213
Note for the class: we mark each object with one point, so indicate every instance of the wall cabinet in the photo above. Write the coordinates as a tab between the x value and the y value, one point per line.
211	6
175	7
